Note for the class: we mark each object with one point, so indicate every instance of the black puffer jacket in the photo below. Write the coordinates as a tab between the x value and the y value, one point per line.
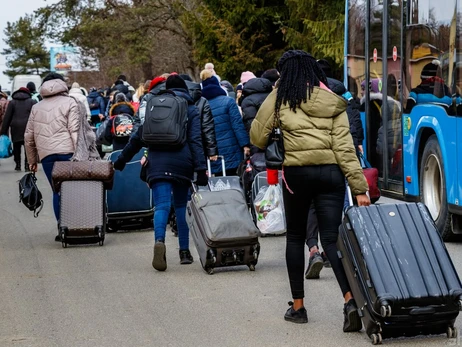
254	93
17	115
207	124
356	126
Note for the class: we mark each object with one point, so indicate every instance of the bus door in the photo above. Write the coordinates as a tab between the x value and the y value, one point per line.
384	114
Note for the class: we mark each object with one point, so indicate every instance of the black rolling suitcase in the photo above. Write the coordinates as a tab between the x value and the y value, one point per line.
221	226
399	271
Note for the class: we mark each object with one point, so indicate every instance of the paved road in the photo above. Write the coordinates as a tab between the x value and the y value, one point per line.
111	296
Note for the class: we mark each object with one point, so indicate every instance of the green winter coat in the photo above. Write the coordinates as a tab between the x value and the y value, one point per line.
317	134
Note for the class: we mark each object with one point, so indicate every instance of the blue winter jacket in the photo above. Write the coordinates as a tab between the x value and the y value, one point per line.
95	97
178	164
229	128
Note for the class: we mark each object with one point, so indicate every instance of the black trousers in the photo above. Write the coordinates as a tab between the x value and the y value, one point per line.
324	185
17	151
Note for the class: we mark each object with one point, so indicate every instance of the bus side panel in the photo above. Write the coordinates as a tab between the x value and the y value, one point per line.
444	126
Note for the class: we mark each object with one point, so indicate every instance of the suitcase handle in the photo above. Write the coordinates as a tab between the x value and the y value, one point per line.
223	166
350	195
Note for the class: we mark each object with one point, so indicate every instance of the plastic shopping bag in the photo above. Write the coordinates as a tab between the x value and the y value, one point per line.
6	148
269	209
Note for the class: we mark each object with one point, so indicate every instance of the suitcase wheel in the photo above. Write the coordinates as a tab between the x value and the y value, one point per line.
255	255
452	332
209	270
376	339
385	311
100	236
252	267
62	234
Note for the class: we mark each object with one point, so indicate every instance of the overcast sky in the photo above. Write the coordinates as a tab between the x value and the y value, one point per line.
11	13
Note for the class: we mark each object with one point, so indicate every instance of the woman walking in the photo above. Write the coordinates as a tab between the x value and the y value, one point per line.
319	153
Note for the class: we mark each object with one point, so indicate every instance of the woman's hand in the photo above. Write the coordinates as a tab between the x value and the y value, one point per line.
363	200
33	167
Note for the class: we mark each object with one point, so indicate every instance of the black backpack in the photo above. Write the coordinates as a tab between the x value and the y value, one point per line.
166	120
29	194
123	125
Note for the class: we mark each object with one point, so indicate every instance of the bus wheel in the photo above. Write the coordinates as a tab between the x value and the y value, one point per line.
433	187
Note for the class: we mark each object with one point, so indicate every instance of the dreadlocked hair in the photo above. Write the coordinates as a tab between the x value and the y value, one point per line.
299	72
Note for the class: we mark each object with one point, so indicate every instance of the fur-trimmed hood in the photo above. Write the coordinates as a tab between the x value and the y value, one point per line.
122	107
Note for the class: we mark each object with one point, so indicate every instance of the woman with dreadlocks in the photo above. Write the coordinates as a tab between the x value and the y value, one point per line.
319	153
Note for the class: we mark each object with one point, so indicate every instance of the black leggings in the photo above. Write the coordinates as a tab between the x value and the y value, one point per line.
325	186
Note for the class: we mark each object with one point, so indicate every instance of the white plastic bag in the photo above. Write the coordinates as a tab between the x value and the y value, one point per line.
269	209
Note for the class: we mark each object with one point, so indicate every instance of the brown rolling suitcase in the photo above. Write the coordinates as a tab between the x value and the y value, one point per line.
82	212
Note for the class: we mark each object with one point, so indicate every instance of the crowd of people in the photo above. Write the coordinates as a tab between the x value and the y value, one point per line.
320	125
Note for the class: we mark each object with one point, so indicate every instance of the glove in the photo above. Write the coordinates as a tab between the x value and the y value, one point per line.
202	179
119	164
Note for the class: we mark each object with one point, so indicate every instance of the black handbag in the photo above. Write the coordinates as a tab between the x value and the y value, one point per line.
29	194
274	153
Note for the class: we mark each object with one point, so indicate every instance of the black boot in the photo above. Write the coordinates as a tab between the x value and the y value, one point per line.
18	166
26	166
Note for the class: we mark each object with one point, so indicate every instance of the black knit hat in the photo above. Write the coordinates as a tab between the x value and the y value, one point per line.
175	81
431	70
31	86
53	76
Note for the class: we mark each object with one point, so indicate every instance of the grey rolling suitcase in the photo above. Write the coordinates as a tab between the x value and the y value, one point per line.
82	212
222	229
221	226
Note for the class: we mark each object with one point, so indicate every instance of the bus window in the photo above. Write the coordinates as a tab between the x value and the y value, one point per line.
356	39
430	54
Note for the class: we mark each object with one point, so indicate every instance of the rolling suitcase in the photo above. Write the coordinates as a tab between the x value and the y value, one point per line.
129	203
399	271
222	228
82	212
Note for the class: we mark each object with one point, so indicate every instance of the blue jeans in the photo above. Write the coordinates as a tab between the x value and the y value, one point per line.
47	164
162	195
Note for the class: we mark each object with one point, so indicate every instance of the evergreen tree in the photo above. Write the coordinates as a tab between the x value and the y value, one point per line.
26	52
238	35
317	27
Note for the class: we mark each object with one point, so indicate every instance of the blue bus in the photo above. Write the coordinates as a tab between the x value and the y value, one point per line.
403	64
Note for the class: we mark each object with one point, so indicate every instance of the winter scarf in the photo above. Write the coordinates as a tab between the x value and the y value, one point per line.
86	141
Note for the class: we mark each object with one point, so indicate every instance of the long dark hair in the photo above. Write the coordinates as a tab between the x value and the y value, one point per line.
299	72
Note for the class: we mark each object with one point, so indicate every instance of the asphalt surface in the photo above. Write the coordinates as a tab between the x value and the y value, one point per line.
111	296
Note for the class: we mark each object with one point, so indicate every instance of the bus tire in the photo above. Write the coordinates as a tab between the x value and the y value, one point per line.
433	187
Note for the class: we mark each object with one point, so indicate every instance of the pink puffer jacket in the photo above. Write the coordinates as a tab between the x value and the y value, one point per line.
53	124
